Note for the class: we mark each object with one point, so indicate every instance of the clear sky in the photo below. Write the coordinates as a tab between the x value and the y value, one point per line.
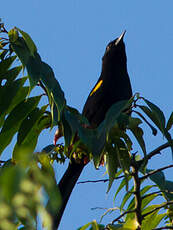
71	37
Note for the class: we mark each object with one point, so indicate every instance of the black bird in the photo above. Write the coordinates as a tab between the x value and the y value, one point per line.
112	86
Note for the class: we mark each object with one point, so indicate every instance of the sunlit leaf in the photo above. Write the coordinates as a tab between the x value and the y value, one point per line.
121	186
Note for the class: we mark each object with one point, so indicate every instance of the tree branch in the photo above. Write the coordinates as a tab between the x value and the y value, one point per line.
137	193
96	181
157	208
157	150
155	171
165	227
125	213
157	192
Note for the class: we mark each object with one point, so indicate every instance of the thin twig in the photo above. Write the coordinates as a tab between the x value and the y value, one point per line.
43	87
155	171
109	210
157	208
152	128
96	181
157	150
157	192
119	217
165	227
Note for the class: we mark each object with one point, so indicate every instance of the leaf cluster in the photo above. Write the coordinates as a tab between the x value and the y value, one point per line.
28	176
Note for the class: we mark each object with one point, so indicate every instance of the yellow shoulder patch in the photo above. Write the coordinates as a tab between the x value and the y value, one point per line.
96	87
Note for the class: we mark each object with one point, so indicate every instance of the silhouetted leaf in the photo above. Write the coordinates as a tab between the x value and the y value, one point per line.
170	122
11	74
29	131
49	80
158	178
168	187
32	47
11	94
111	163
5	64
22	51
155	114
114	112
14	120
137	132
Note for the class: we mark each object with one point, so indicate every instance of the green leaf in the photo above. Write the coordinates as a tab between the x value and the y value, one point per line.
152	221
29	131
48	149
32	47
123	156
33	67
150	208
46	164
10	180
137	132
126	198
94	140
3	54
49	80
121	186
32	63
158	178
114	112
156	115
14	120
10	92
111	164
5	64
168	187
91	138
21	50
132	202
94	224
170	122
114	227
13	35
11	74
148	199
85	226
130	224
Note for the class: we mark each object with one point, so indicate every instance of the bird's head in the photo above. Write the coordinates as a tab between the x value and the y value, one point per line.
115	48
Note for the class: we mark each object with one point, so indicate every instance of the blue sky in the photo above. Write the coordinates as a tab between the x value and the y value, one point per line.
71	36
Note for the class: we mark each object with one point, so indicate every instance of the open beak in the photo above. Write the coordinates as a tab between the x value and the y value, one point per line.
120	38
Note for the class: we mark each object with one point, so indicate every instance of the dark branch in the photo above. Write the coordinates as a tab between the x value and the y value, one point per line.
125	213
165	227
157	208
155	171
157	150
97	181
137	193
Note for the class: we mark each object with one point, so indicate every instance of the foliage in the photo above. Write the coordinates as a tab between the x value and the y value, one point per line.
27	179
